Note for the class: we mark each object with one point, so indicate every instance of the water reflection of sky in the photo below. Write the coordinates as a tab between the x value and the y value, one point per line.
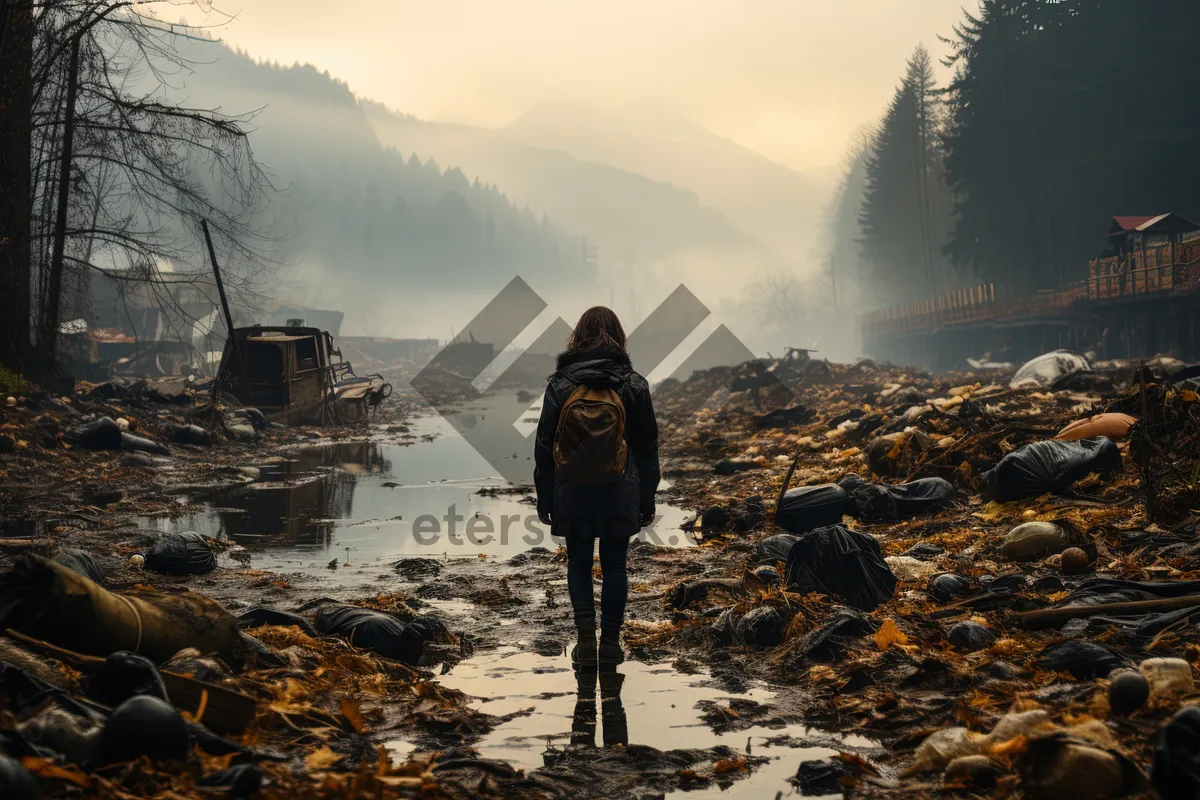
659	706
369	503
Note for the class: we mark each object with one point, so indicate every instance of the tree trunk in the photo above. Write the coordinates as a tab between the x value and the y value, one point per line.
16	63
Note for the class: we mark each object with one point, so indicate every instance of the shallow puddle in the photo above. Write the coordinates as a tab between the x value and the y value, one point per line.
369	503
647	704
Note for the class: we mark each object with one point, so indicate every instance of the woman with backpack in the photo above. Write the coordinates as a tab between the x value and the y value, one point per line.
596	471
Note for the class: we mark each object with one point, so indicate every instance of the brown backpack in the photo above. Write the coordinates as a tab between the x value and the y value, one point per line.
589	445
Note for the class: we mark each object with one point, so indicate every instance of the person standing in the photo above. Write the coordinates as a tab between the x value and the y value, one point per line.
596	471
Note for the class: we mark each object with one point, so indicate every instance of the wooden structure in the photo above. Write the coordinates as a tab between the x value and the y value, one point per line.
1139	299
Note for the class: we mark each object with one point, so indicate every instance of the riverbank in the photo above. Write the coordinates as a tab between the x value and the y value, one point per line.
706	699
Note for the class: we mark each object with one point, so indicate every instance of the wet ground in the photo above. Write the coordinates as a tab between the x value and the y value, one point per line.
636	703
422	491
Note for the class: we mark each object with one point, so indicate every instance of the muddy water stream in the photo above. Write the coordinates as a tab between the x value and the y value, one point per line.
426	492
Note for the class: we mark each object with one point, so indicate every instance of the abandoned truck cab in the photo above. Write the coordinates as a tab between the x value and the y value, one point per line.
291	375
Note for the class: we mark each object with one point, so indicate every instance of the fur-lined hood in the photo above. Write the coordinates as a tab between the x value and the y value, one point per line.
569	357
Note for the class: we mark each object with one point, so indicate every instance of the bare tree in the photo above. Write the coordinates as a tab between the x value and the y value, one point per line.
782	300
140	171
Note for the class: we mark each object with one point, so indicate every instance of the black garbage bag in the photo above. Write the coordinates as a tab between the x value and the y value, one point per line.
16	782
747	519
1175	772
1049	468
729	466
844	564
946	587
970	636
1083	659
376	631
725	627
124	675
851	482
831	641
242	780
254	617
820	777
145	726
786	417
872	502
430	627
883	503
762	627
923	551
714	519
82	562
186	553
191	434
140	444
775	548
807	508
101	433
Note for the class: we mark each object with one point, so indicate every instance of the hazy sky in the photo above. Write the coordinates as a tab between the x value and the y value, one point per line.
792	79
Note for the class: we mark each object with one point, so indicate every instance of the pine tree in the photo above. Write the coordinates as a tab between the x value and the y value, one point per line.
1065	113
905	210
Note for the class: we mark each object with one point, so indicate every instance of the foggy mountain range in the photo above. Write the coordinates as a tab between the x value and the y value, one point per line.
374	193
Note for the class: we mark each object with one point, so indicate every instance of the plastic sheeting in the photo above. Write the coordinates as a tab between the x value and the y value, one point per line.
82	562
1049	468
871	502
842	563
1044	370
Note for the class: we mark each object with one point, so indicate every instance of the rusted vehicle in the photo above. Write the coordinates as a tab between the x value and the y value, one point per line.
296	376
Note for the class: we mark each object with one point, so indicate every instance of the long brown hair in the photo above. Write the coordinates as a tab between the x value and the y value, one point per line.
598	329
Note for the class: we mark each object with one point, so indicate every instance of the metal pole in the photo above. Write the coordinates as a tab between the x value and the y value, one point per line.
237	351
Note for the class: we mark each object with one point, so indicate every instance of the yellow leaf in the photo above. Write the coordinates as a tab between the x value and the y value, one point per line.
1189	396
888	634
321	759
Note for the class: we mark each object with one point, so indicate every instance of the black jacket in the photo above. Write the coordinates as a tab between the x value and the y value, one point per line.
612	508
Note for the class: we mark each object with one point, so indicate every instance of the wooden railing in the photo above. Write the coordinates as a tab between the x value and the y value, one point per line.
1173	268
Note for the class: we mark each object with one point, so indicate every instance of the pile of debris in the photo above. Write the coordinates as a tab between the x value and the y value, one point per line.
121	691
995	579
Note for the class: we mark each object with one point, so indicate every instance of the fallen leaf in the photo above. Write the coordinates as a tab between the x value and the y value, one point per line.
888	634
321	759
353	715
49	771
729	765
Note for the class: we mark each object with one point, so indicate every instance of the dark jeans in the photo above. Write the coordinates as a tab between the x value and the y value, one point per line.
615	589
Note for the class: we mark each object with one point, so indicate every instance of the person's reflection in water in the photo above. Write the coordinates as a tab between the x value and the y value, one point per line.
583	721
612	714
616	726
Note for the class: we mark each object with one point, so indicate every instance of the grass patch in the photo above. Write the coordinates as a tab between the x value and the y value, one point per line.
10	381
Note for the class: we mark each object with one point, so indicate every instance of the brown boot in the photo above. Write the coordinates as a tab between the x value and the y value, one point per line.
584	652
610	651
